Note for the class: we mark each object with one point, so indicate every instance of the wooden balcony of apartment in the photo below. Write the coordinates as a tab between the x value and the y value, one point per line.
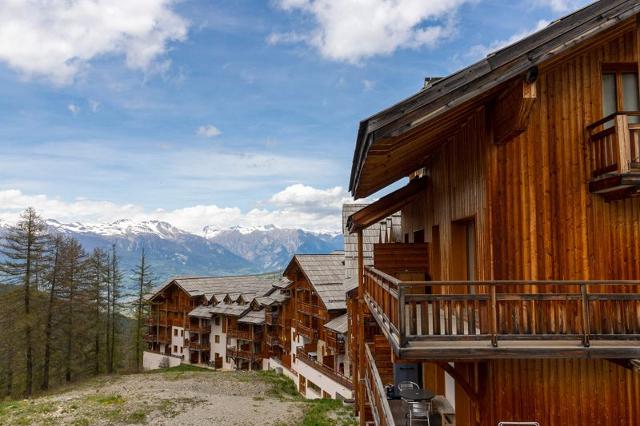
199	329
303	356
244	334
198	346
159	338
306	331
391	412
274	341
337	345
240	353
271	318
308	308
614	155
506	319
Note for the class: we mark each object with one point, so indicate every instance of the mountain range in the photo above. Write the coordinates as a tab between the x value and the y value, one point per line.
172	251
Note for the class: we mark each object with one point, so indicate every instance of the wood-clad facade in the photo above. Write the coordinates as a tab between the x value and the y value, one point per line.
530	303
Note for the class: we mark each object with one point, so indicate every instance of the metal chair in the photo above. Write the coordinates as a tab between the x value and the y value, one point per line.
407	385
418	412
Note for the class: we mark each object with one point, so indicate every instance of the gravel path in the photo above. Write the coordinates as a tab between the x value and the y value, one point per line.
184	398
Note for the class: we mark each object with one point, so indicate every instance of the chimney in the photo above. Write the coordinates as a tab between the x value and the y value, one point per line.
430	81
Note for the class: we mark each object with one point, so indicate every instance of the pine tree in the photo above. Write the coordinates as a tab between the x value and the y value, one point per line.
23	252
144	279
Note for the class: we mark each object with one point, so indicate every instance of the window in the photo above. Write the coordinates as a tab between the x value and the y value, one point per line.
181	349
175	331
217	339
418	236
217	320
182	333
620	90
175	348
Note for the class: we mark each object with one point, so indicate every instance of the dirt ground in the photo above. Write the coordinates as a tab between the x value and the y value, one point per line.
169	398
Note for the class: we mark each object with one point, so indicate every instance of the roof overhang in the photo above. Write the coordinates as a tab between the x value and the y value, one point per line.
400	140
386	206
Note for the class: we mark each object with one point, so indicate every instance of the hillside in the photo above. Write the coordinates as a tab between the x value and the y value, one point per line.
181	395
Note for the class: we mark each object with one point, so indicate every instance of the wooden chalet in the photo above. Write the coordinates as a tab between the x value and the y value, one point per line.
182	322
318	298
513	291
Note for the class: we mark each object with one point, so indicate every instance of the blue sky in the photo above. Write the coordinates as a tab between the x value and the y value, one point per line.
217	112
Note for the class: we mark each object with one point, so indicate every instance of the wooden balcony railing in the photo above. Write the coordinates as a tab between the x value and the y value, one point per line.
337	345
160	338
327	371
195	346
614	149
308	332
271	318
244	334
274	341
199	329
308	308
506	318
376	395
234	352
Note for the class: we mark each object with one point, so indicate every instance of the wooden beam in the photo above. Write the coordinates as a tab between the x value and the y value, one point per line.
386	206
460	379
512	110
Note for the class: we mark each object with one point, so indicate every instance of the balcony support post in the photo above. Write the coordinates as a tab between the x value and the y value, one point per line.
402	320
623	141
494	317
586	328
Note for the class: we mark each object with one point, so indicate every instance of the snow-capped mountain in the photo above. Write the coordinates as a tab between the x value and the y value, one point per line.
169	250
172	251
270	248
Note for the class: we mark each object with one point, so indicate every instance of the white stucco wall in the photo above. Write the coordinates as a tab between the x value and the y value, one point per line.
177	342
152	360
325	383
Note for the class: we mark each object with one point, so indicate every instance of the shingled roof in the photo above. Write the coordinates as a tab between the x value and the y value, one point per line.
325	273
248	286
338	324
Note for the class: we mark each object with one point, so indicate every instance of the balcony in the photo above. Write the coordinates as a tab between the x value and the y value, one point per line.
199	329
195	346
159	338
308	308
244	334
271	318
506	319
302	356
274	341
308	332
236	353
614	155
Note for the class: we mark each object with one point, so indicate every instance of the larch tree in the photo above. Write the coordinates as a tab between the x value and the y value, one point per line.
144	283
96	269
23	250
116	281
52	280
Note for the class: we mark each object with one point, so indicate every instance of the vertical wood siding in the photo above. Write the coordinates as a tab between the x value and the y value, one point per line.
535	219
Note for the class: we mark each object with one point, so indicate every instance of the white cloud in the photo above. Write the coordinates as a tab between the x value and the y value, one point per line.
73	108
352	30
368	85
562	5
480	50
94	105
57	39
305	198
297	206
209	131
